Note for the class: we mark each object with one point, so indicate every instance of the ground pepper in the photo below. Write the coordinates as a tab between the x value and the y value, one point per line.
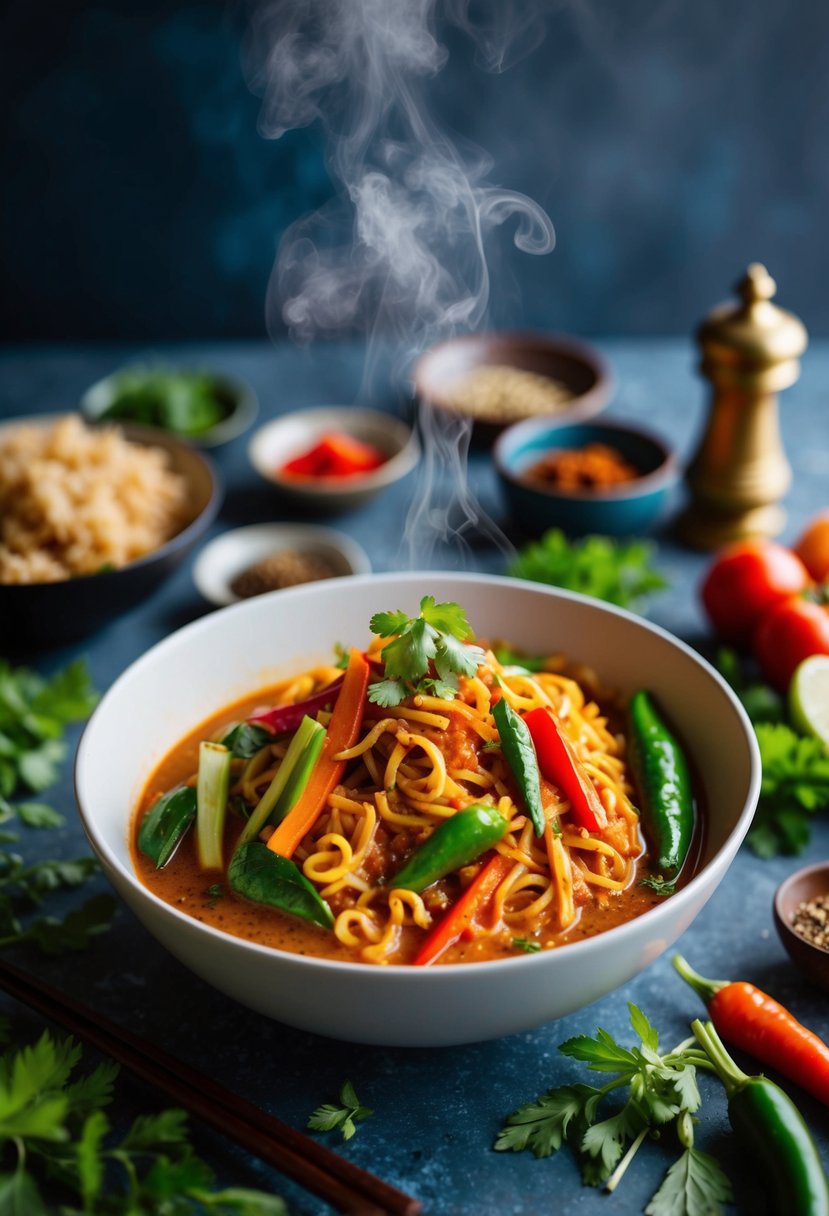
811	921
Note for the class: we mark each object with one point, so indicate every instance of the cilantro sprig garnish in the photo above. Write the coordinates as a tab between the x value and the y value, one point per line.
427	654
64	1155
618	571
659	1091
342	1118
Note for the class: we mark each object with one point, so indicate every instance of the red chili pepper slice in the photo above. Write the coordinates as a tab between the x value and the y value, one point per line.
559	763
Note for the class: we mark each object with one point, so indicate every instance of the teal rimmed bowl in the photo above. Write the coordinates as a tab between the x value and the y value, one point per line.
622	510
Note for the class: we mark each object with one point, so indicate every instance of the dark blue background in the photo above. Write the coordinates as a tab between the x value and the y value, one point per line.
671	142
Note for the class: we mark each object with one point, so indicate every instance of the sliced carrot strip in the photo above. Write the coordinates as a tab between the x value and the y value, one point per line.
342	732
461	915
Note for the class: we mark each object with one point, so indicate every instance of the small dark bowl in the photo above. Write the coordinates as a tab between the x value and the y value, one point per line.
799	888
623	510
576	365
44	615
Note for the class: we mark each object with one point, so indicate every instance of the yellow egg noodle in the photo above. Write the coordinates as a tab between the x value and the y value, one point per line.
417	764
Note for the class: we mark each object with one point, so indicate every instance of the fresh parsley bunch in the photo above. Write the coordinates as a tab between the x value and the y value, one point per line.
618	571
62	1154
795	781
659	1091
428	653
34	713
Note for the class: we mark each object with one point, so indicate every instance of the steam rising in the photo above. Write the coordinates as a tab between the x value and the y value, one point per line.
402	251
403	247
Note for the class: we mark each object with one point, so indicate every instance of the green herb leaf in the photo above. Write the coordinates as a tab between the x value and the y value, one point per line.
427	653
695	1185
342	1118
614	570
657	1089
246	739
795	784
662	886
542	1126
601	1054
525	944
52	1121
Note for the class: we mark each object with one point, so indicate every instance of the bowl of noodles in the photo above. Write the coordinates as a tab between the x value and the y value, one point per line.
342	824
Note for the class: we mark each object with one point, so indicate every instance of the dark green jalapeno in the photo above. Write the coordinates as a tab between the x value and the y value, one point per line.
165	823
454	843
663	781
519	753
773	1131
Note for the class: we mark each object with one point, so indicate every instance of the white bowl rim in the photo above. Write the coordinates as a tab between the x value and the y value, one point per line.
584	947
391	470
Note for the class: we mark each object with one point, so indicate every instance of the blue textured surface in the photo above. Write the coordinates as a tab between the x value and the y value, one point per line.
671	144
436	1112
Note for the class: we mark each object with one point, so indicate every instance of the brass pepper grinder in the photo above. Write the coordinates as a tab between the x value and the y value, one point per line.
739	474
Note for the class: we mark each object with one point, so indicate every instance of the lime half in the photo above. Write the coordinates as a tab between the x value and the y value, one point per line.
809	697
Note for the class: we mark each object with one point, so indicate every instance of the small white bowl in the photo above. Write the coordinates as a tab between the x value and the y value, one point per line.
223	559
216	660
294	434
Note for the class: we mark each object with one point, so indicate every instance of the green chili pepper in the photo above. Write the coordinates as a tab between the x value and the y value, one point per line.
663	780
517	746
165	824
773	1132
265	877
454	843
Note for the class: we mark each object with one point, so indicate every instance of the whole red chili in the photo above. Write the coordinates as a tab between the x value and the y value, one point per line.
757	1024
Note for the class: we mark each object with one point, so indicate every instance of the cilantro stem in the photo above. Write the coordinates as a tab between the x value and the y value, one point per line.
617	1175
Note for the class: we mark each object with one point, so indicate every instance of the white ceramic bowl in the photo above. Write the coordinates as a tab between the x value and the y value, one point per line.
293	434
219	658
224	559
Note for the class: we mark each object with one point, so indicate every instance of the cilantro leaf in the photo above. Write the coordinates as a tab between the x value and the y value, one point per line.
542	1126
614	570
658	1090
695	1185
604	1142
795	783
601	1054
53	1122
427	653
342	1118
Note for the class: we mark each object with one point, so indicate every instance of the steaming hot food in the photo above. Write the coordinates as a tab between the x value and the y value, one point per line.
434	800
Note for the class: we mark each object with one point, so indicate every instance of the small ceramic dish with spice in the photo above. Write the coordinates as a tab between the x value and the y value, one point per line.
270	557
333	458
604	477
497	379
801	914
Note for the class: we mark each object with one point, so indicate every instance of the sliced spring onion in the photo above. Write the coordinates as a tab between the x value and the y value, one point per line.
289	781
211	802
165	823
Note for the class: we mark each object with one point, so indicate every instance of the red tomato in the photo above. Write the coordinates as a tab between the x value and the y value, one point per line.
813	547
788	634
747	579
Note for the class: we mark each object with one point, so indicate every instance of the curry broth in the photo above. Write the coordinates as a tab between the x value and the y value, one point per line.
205	895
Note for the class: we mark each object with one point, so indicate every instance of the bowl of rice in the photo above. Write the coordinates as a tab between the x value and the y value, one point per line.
92	520
495	379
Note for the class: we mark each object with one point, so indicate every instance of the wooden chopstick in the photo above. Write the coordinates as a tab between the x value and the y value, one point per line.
345	1186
